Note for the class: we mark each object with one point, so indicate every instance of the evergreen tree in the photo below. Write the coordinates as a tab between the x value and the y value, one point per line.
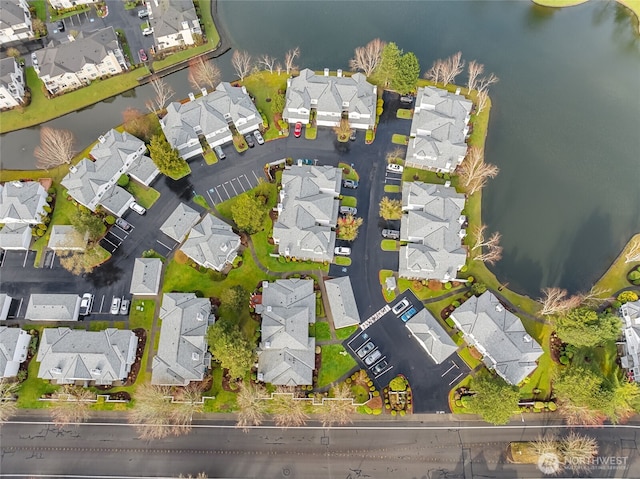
408	72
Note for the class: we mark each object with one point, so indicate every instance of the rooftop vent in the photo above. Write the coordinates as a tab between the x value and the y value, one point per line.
195	356
457	91
96	372
326	72
499	308
447	184
260	377
102	139
265	284
268	309
339	72
55	371
17	184
462	219
191	96
203	91
526	338
73	169
267	344
200	317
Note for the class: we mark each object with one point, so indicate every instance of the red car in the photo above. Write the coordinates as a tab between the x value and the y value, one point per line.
143	55
297	131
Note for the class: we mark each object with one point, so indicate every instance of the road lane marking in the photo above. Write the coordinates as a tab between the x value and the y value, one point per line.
169	248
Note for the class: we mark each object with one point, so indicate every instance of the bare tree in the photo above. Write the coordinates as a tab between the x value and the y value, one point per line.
287	410
633	253
578	450
486	250
451	68
434	73
395	154
163	92
79	262
188	402
72	406
13	53
338	409
482	99
7	400
474	172
474	69
55	148
242	63
267	61
483	83
594	297
279	68
253	405
547	444
289	59
367	58
203	74
557	301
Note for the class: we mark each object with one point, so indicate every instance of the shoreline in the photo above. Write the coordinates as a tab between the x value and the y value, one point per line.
632	5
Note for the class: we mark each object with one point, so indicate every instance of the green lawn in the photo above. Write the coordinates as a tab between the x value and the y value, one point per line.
323	332
404	114
43	109
210	158
224	401
398	139
200	200
145	196
335	363
99	325
262	86
389	245
416	174
392	189
615	277
349	173
349	201
41	8
311	133
558	3
465	355
360	393
344	333
33	388
141	313
342	260
383	274
78	10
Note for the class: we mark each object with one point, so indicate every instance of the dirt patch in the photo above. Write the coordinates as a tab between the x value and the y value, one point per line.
375	403
135	368
120	396
227	384
555	346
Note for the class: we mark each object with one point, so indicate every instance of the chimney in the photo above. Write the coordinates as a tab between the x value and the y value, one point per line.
244	89
339	72
447	184
326	72
191	96
499	308
526	338
102	139
457	91
203	91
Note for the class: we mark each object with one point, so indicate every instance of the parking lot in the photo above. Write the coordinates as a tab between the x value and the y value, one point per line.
233	187
385	348
115	237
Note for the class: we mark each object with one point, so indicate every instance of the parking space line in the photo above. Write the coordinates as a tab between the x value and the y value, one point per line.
101	304
243	190
169	248
225	190
353	339
384	372
218	193
447	371
112	244
248	182
254	174
209	195
26	255
53	260
455	379
4	256
121	239
234	188
19	308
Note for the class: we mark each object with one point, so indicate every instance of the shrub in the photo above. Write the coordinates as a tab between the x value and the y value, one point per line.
372	388
393	413
376	394
398	384
123	180
464	268
387	407
465	400
377	411
447	285
538	405
110	220
458	403
450	323
456	304
616	304
627	297
368	410
552	406
403	412
564	360
47	208
348	380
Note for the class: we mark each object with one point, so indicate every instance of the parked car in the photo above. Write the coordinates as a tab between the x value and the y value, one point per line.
401	306
409	314
124	306
304	161
249	140
219	153
381	366
352	136
297	131
115	305
85	304
366	349
348	210
394	168
147	31
143	55
373	357
123	224
34	59
60	26
406	99
137	208
143	13
391	234
343	251
353	184
258	137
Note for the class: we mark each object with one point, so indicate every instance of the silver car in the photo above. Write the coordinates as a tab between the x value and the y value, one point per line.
373	357
366	349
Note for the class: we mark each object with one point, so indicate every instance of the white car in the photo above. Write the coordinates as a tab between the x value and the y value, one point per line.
85	304
137	208
343	250
115	305
348	210
401	306
147	31
258	137
392	167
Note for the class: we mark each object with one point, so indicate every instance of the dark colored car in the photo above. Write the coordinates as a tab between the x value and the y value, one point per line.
123	224
60	26
353	135
378	368
297	131
248	138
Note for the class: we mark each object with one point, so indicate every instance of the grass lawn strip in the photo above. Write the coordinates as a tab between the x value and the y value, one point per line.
389	245
404	114
145	196
334	363
392	189
323	332
398	139
342	261
351	201
344	333
261	86
349	173
383	274
201	200
615	277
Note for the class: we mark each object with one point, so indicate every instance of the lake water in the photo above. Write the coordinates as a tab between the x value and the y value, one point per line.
564	126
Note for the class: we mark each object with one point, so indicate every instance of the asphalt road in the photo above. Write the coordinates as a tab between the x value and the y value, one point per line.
368	450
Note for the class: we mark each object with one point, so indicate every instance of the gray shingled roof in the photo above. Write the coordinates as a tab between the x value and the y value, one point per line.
286	354
69	355
22	202
144	170
11	14
5	304
432	226
331	95
168	16
65	237
14	345
179	222
53	307
630	312
209	115
438	130
212	243
499	335
70	57
92	180
12	78
308	210
431	335
117	200
145	280
15	236
342	302
182	352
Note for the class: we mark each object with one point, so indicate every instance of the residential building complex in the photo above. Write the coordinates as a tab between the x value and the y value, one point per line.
22	202
308	212
14	347
182	352
431	336
179	223
328	99
214	117
439	130
15	236
15	22
212	243
342	302
630	359
145	280
87	57
53	307
11	84
286	354
432	227
175	23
